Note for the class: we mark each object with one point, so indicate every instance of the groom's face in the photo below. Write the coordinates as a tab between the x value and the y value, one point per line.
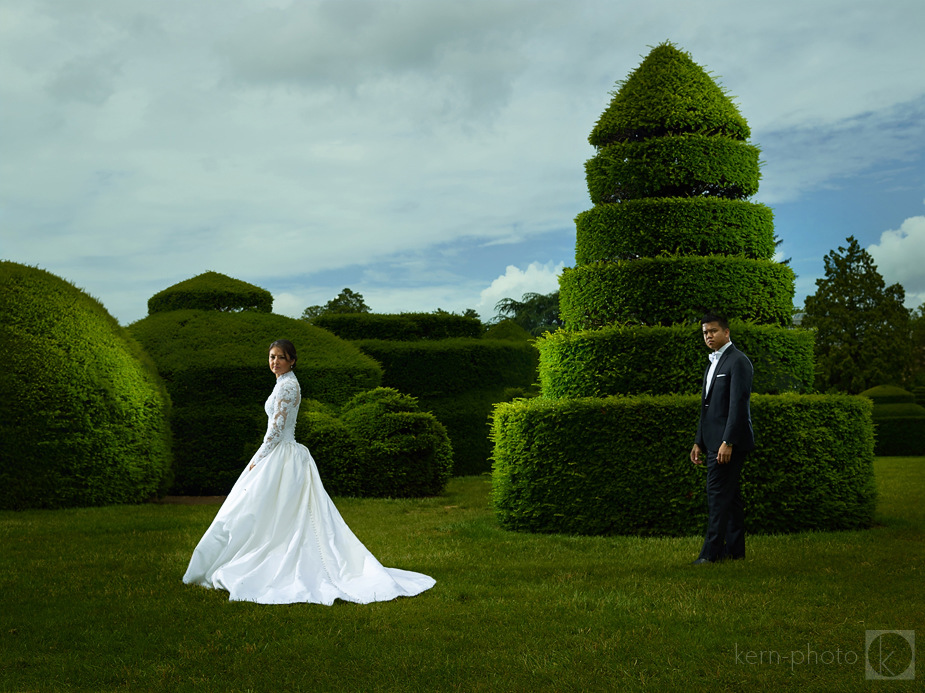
715	336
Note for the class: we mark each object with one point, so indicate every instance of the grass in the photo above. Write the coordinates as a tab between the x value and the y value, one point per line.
91	600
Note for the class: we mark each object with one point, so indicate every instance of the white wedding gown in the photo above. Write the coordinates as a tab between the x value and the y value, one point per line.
278	539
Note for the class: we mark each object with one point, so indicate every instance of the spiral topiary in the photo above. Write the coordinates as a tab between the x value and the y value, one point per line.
672	235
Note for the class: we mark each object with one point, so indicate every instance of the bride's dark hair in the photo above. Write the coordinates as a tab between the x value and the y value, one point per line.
287	347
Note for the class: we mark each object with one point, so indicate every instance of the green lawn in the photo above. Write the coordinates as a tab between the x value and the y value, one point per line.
91	600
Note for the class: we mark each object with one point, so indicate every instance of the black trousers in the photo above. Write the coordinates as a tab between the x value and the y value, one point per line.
725	537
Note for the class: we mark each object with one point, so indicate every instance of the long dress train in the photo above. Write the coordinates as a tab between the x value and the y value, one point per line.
279	539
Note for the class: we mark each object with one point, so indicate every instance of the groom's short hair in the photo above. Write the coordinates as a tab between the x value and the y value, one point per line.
715	317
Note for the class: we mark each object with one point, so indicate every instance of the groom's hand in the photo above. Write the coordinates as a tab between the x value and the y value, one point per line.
696	452
724	454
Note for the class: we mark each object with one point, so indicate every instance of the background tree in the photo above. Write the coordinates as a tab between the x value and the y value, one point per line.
863	336
918	347
347	301
536	313
467	313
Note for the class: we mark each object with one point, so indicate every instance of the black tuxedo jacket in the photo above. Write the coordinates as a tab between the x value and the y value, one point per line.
725	414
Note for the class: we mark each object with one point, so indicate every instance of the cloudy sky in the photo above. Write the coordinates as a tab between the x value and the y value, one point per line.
426	153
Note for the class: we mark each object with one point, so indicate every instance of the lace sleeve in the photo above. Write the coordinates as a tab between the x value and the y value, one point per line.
285	404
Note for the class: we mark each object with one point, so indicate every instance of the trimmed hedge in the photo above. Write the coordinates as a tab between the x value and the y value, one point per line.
211	291
215	367
83	413
453	366
662	360
889	394
901	435
507	329
188	345
668	94
334	448
669	290
458	380
673	166
898	420
403	451
621	465
919	394
402	327
677	226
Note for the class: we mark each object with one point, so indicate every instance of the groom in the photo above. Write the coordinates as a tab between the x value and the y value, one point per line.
725	435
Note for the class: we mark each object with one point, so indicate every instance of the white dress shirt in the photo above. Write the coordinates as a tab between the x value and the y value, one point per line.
714	359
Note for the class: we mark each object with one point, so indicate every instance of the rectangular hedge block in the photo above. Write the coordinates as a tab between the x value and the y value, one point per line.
620	465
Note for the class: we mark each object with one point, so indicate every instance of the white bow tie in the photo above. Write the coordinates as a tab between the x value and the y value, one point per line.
715	356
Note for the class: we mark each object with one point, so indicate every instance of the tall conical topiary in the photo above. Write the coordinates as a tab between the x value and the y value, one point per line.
673	234
672	230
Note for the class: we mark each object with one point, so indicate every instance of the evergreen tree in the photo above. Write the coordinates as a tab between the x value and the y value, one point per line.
918	347
863	330
536	313
347	301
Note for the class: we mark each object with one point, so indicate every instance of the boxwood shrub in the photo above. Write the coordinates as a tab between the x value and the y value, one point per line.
334	447
83	413
215	366
650	227
618	359
621	465
402	451
670	290
458	380
404	327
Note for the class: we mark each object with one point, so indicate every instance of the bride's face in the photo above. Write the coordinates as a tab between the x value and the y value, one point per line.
279	362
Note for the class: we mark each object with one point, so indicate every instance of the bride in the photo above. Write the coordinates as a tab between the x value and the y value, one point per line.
278	539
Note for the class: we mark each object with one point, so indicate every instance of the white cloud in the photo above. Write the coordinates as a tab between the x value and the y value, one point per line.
292	305
145	143
515	282
900	258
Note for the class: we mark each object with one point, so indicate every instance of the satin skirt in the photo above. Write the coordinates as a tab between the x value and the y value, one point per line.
279	539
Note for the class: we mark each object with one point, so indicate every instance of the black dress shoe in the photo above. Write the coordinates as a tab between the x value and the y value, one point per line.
701	561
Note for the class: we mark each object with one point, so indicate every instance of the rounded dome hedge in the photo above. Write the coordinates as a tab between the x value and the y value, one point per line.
83	414
404	452
211	291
